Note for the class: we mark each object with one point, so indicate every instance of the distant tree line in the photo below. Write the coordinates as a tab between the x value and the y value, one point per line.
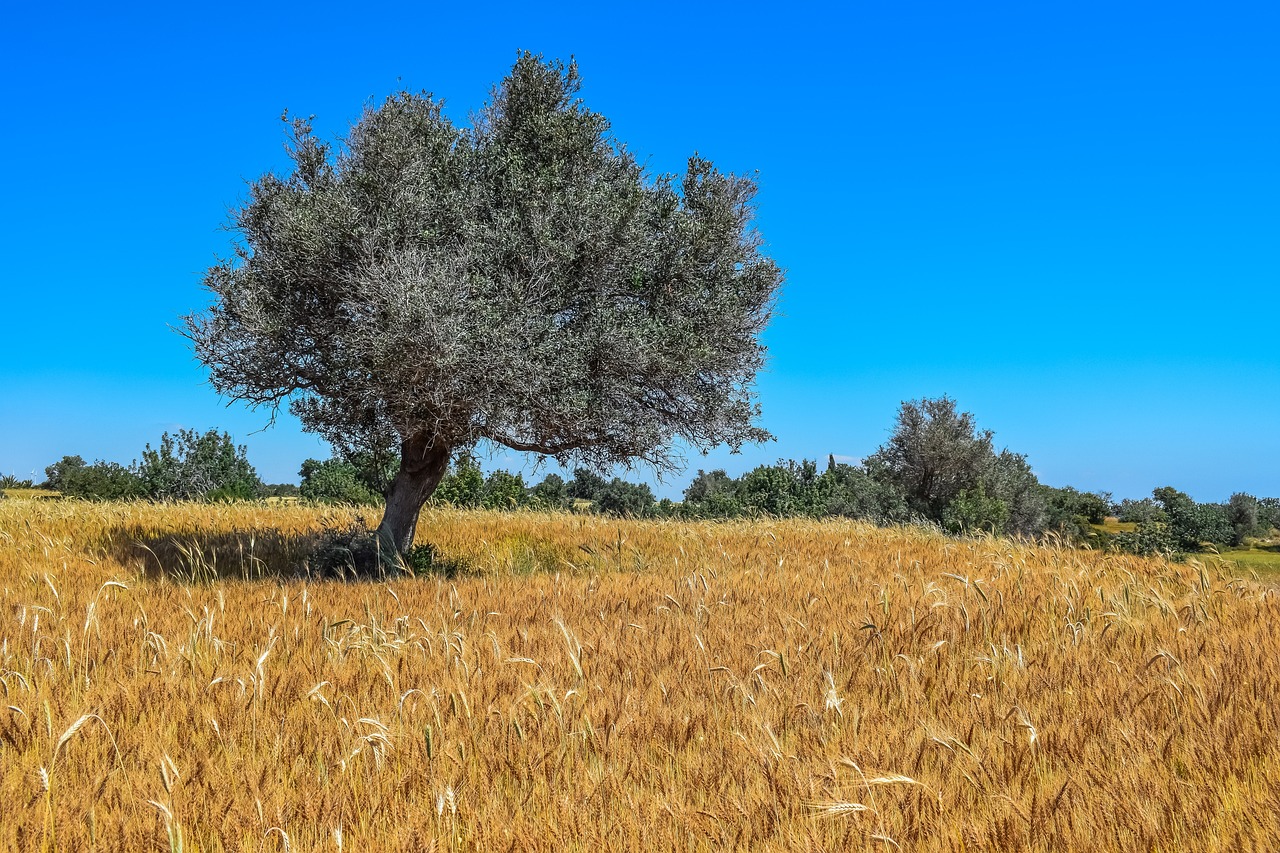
184	466
937	468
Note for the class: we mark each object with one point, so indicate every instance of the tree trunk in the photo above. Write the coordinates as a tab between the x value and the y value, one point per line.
422	466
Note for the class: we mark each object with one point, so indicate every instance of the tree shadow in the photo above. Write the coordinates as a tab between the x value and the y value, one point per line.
194	557
202	557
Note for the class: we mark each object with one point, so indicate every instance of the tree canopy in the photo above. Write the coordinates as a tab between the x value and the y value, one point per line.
523	280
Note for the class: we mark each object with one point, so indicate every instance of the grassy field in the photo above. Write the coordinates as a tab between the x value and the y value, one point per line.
587	684
1261	559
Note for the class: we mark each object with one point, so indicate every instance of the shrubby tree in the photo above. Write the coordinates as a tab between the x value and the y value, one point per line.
1268	515
933	454
974	511
1137	511
631	500
1242	515
850	491
586	485
937	456
335	481
463	486
1192	524
504	490
713	494
551	493
1071	512
56	474
521	281
102	481
194	466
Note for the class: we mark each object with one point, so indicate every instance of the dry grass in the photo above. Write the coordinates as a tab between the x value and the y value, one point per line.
591	684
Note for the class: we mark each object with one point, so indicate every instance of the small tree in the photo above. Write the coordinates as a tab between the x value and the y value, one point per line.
630	500
936	455
586	485
334	481
551	493
193	466
504	490
933	454
463	486
1242	515
521	281
103	481
56	474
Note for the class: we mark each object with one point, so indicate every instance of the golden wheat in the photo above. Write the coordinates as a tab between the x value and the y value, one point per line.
589	684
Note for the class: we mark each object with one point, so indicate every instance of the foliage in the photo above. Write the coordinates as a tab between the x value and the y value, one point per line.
1191	525
522	281
973	511
194	466
1242	515
1071	513
1268	515
11	481
551	493
1138	511
55	474
335	481
628	500
933	454
937	456
463	486
1151	539
103	481
586	485
504	490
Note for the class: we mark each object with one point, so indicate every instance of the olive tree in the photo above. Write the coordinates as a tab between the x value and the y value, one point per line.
522	280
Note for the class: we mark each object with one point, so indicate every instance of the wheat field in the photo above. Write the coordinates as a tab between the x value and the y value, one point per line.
589	684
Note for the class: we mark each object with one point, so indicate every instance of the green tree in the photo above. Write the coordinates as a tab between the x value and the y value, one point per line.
463	486
630	500
933	454
1242	515
335	481
1190	524
195	466
522	281
56	474
936	454
504	490
851	492
103	481
974	511
713	494
551	493
586	485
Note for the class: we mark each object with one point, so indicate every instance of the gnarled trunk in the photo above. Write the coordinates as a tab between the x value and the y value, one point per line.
422	465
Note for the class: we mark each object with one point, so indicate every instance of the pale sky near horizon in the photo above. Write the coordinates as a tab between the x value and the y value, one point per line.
1063	215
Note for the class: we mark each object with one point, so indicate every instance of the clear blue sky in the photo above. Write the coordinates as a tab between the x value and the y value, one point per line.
1064	215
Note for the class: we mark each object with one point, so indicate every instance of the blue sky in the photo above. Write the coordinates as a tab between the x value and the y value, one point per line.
1064	215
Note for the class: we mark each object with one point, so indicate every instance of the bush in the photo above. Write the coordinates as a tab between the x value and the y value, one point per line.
334	481
1151	539
551	493
104	481
629	500
193	466
504	490
973	511
463	486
